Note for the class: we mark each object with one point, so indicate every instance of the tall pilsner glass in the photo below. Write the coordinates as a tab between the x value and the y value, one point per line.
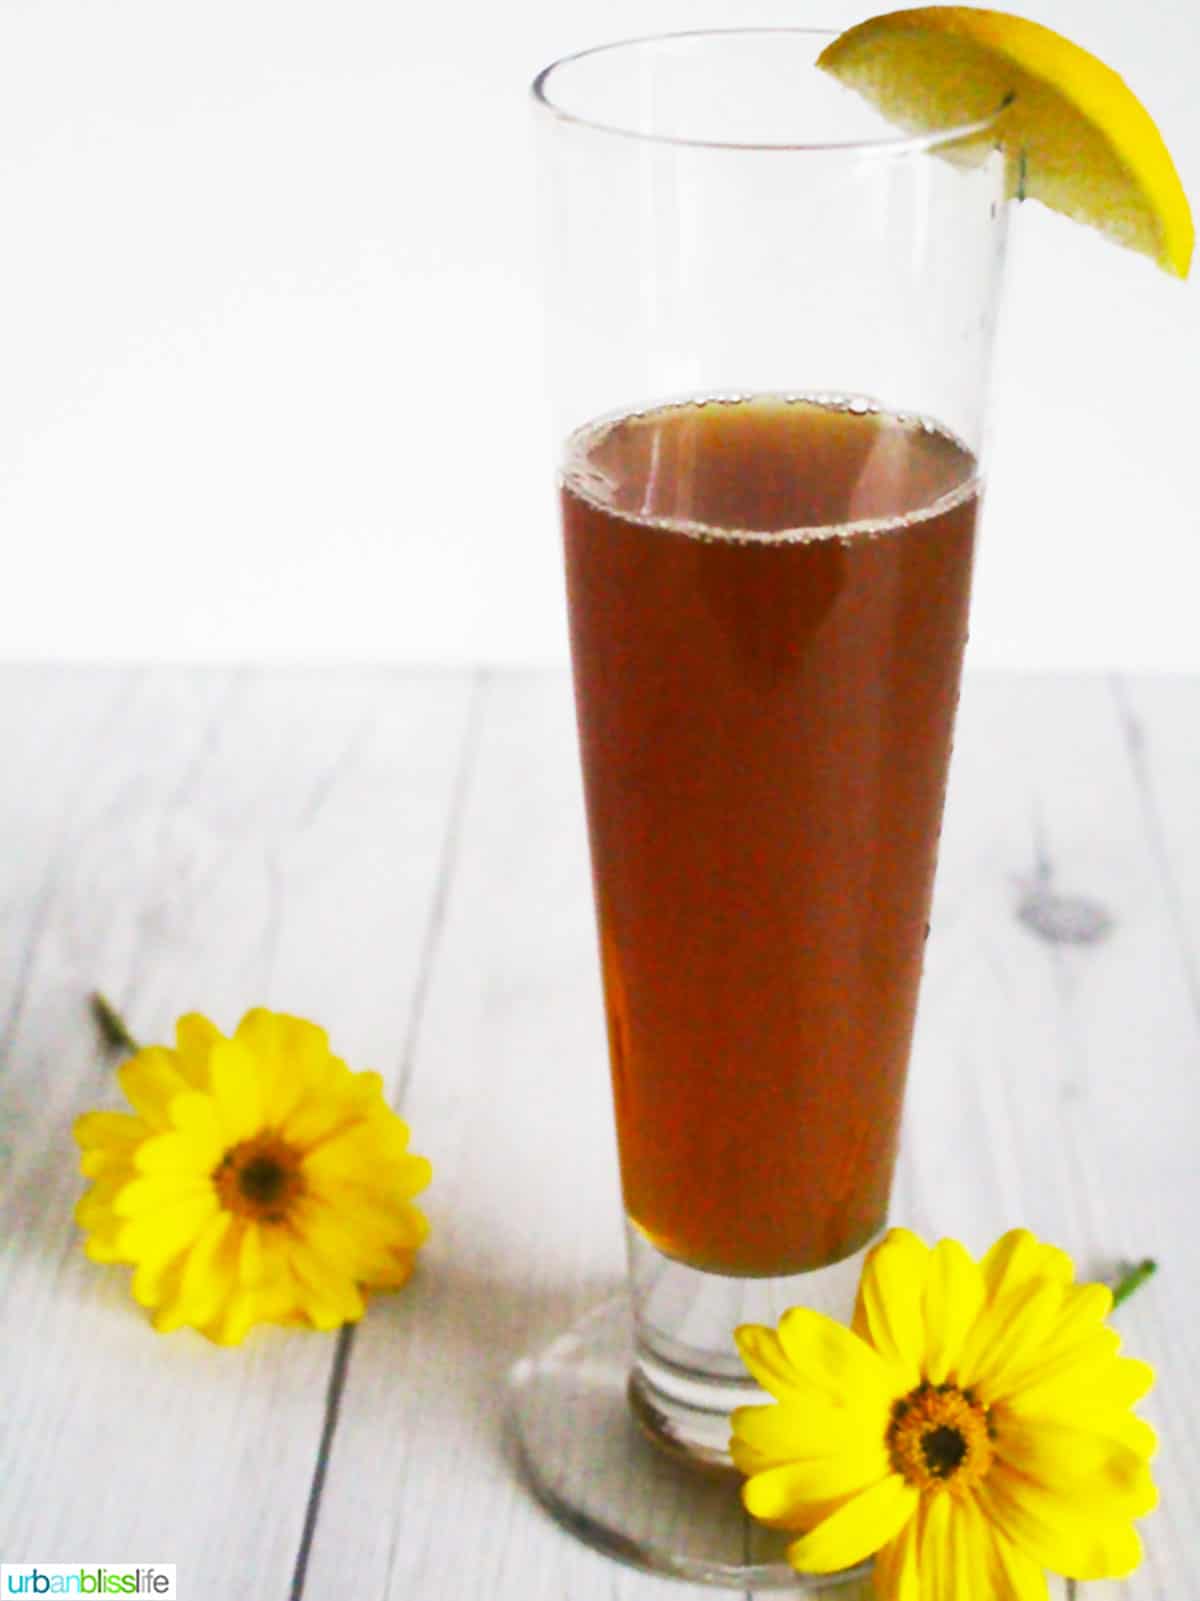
771	319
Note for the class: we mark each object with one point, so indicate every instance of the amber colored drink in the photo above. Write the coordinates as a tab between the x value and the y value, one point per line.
768	603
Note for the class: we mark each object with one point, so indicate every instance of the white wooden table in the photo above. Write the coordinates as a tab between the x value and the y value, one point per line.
401	857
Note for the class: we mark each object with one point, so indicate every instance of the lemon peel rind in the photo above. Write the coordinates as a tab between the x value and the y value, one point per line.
935	66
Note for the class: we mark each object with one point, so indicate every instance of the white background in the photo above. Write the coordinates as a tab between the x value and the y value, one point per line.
270	347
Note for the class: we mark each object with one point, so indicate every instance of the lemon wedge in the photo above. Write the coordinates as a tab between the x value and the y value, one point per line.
1079	138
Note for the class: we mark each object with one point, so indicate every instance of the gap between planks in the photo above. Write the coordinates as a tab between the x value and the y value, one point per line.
437	916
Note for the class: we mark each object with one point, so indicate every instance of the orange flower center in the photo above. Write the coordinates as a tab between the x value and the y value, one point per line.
259	1179
940	1435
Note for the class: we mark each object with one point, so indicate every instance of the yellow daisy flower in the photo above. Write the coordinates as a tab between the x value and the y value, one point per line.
971	1429
258	1180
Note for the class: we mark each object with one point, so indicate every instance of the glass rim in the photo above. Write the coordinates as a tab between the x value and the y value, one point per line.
899	143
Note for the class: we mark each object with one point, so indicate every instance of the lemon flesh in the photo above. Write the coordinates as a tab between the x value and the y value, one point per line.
1079	138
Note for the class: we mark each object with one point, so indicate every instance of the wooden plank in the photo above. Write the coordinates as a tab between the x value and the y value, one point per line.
182	837
1055	1083
1026	1080
54	727
188	840
509	1097
1160	722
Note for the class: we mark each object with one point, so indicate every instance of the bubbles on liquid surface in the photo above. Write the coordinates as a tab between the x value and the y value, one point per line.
943	459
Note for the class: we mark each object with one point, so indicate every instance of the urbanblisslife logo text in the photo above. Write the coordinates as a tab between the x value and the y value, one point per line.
149	1581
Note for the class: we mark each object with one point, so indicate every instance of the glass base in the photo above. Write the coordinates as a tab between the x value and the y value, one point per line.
576	1412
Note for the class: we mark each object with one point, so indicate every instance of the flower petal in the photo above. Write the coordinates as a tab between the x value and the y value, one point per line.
1109	1478
195	1037
797	1494
378	1219
236	1090
888	1313
1093	1374
1019	1256
363	1238
109	1130
359	1227
156	1234
235	1319
195	1114
369	1152
292	1054
282	1036
326	1295
769	1436
1007	1335
103	1243
1062	1535
897	1572
762	1353
153	1272
167	1315
95	1207
1084	1307
393	1273
162	1260
114	1161
857	1529
208	1275
1071	1411
954	1297
1078	1326
951	1547
149	1196
1010	1574
150	1080
1129	1380
263	1262
182	1157
830	1357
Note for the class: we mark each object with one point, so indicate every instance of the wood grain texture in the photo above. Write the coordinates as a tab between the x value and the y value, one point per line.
509	1095
403	858
187	840
1055	1084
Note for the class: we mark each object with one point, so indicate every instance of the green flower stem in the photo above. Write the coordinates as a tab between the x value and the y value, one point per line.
1132	1279
112	1025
